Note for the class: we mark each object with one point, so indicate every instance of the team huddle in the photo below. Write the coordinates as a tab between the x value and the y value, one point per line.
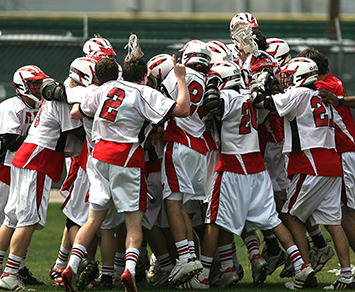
181	153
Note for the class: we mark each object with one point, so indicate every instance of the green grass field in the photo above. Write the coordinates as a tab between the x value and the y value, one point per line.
45	245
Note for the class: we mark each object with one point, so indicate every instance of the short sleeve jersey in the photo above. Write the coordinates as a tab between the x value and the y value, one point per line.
15	118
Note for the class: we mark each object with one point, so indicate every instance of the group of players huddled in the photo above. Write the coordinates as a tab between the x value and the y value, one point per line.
181	153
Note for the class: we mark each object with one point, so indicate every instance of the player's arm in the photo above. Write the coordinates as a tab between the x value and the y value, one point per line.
182	108
53	90
10	142
75	112
346	100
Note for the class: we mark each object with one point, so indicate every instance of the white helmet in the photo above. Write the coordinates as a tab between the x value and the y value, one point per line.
196	52
279	49
95	45
28	80
82	70
160	65
299	72
220	51
244	16
243	35
229	72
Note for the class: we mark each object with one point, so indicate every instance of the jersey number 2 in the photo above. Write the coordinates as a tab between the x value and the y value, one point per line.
109	109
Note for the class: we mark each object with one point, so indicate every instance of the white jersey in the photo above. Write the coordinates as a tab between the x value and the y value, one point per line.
239	129
51	126
307	118
16	117
119	119
193	124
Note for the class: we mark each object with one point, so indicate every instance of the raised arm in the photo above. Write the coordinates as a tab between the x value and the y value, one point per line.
348	101
182	108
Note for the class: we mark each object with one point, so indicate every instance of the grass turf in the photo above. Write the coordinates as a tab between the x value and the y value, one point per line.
45	245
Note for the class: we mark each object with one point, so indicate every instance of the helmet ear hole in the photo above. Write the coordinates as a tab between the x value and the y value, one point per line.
160	66
229	72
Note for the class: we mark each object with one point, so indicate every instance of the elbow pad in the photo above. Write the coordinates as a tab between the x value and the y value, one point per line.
53	90
212	102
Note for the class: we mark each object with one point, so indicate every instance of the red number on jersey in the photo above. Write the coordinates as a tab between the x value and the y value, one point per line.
38	116
322	118
248	118
109	111
196	92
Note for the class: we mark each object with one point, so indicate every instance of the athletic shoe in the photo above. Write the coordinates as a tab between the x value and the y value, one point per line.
128	281
275	261
154	267
116	279
56	275
197	282
341	284
302	279
85	270
228	278
215	273
27	278
183	272
69	279
105	283
161	278
259	269
143	264
240	272
288	270
11	282
320	257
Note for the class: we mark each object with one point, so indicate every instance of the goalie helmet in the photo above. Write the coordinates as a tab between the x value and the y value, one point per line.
229	73
95	45
244	17
27	81
220	51
160	66
82	70
196	52
279	49
299	72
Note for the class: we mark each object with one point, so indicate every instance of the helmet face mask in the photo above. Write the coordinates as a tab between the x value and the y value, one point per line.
299	72
196	52
229	72
27	81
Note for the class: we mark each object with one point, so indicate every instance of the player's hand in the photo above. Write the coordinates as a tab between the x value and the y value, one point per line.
328	96
179	69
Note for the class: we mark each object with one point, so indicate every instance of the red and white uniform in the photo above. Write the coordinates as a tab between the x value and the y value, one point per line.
184	163
310	142
121	110
242	195
344	139
15	118
37	162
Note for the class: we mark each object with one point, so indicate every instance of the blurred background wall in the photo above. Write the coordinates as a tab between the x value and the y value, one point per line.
51	33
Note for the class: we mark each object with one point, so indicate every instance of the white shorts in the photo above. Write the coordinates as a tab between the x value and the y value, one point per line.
243	201
315	197
276	166
4	195
28	198
154	188
124	187
213	158
348	166
75	207
184	171
194	210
